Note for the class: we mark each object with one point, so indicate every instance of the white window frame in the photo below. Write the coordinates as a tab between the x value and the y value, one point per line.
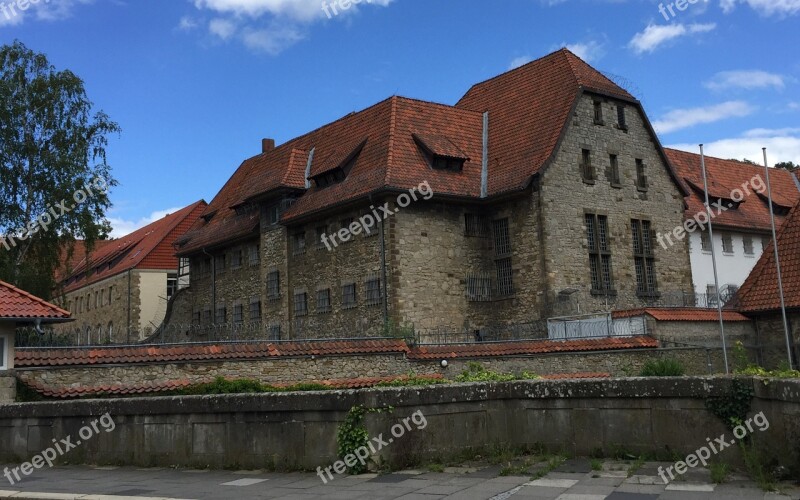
4	350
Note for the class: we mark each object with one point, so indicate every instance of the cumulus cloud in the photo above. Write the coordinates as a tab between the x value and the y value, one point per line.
767	8
782	145
51	10
746	79
679	119
122	227
589	51
655	35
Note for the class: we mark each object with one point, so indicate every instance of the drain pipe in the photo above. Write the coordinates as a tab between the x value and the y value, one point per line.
129	307
213	286
384	285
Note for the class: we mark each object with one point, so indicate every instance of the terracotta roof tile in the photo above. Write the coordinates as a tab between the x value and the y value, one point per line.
147	248
16	303
681	314
573	376
760	290
724	176
529	347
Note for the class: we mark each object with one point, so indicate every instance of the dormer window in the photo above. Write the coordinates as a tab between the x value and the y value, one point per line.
441	152
445	163
336	166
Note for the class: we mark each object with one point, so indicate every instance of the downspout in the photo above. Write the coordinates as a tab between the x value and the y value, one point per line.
485	160
384	284
129	306
213	286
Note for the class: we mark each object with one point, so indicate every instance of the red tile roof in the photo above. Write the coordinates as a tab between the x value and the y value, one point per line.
760	290
19	304
575	376
529	347
529	107
147	248
681	314
724	176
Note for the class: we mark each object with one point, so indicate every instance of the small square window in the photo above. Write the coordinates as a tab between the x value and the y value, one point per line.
324	301
299	243
621	122
598	113
300	303
372	289
705	242
748	245
727	243
613	161
255	254
222	314
273	285
238	313
348	296
255	310
587	170
641	178
321	234
236	259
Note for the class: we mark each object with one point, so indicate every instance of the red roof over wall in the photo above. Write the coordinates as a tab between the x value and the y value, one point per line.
16	304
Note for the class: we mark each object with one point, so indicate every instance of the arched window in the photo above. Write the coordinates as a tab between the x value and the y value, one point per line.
88	335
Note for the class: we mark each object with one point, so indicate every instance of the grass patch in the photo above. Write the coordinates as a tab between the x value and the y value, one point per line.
719	472
596	464
665	367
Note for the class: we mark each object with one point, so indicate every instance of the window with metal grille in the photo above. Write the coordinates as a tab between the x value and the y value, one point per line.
479	287
641	178
300	303
599	253
748	245
255	309
219	264
324	301
238	312
505	277
275	331
372	290
273	285
727	243
621	122
321	232
502	238
255	254
236	259
222	314
207	315
587	170
598	113
476	225
643	257
348	296
614	170
705	242
299	243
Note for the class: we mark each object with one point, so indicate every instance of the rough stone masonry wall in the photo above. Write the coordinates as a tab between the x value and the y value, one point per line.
772	337
566	198
298	430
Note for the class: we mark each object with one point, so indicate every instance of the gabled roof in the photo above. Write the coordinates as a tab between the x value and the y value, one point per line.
681	314
760	290
16	304
147	248
725	176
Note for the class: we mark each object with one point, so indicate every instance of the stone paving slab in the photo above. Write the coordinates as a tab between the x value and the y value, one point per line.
463	483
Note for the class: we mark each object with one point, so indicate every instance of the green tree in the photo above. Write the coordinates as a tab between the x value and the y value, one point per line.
787	165
52	149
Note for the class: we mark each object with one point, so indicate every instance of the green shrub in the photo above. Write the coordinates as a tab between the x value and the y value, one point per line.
665	367
476	372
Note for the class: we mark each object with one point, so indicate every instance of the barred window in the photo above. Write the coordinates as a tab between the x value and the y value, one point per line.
502	238
299	243
348	296
372	290
505	280
321	232
236	259
324	301
207	315
748	245
587	170
255	254
300	303
614	170
479	287
238	312
275	331
222	314
219	264
476	225
705	242
643	257
599	253
255	309
598	112
727	243
273	285
621	117
641	178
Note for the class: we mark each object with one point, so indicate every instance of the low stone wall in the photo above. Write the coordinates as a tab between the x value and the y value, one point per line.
698	361
8	386
298	430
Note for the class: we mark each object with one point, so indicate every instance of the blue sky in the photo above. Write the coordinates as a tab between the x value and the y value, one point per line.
196	84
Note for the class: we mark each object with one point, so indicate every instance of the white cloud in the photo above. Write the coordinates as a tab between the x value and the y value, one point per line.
272	40
222	28
188	24
50	10
590	51
519	61
766	8
745	79
122	227
684	118
782	145
655	35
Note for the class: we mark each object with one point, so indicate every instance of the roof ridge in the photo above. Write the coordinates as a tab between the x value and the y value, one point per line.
34	298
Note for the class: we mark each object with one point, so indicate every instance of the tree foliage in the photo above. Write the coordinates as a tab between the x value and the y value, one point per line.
52	145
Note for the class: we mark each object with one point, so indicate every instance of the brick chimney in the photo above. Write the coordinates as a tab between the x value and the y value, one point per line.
267	145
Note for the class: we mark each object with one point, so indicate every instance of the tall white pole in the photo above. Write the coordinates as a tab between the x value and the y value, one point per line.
714	261
778	262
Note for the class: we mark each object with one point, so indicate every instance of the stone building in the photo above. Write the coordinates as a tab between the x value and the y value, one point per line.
741	219
539	183
759	299
119	291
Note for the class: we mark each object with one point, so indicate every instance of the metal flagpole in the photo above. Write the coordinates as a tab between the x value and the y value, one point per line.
714	261
778	261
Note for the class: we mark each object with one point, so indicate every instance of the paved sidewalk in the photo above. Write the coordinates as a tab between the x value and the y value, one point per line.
574	480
